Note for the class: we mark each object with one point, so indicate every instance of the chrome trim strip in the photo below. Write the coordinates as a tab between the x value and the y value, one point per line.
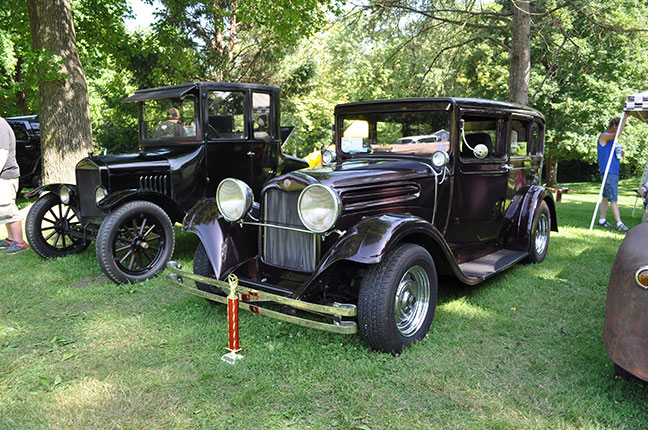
639	270
283	227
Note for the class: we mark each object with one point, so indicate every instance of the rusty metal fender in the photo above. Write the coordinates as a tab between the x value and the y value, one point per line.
226	243
520	214
372	238
625	331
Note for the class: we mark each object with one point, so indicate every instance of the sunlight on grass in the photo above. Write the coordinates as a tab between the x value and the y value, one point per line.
460	307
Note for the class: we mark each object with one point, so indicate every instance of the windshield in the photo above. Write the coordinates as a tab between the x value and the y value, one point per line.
169	118
421	132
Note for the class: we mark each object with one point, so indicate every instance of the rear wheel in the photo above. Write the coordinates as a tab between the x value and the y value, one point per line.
135	242
397	299
49	226
540	233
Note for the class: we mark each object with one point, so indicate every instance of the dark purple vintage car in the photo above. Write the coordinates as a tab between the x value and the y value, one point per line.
417	188
191	136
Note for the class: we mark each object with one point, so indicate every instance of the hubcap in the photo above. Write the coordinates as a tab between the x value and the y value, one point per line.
412	301
542	234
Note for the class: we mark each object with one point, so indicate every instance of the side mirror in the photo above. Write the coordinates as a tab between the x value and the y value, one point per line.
480	151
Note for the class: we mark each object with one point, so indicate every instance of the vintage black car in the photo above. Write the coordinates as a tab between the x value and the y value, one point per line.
191	136
28	149
365	237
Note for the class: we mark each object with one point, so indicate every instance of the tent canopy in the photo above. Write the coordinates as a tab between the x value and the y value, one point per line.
636	105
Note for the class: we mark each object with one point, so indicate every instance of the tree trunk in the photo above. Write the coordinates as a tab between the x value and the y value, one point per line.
520	61
64	113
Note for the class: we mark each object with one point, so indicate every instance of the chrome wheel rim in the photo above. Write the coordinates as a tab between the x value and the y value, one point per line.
412	301
542	234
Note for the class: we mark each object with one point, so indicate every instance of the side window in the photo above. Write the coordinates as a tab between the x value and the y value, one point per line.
519	138
261	115
20	132
483	130
535	144
169	118
226	110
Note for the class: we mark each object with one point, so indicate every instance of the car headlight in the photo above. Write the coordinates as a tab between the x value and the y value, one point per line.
641	276
100	193
234	199
328	157
64	194
440	158
319	208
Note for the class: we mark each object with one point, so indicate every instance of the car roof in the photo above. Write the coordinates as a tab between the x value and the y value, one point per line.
462	103
179	90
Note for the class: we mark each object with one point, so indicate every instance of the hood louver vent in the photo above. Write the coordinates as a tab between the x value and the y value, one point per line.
376	196
159	183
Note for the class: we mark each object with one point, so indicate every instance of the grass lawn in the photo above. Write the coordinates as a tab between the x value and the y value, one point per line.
523	350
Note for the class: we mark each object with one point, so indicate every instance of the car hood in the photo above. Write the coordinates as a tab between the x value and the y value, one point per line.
366	171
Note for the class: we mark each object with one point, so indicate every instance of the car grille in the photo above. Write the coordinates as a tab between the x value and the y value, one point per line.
87	182
289	249
159	183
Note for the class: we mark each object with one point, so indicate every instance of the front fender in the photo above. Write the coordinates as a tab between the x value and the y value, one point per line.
49	188
121	197
372	238
226	244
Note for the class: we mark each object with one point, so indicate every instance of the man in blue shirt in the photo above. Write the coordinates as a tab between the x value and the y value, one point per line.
604	145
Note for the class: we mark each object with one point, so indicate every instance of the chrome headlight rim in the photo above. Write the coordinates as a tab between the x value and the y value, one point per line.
638	273
440	158
247	198
100	193
65	194
337	208
328	156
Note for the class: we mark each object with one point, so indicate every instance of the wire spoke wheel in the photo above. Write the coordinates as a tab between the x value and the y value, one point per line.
135	242
53	228
138	244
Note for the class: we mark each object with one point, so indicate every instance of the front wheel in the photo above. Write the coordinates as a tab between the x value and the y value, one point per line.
49	228
540	233
202	266
397	299
135	242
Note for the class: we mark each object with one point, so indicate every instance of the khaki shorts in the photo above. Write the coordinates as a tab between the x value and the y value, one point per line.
8	209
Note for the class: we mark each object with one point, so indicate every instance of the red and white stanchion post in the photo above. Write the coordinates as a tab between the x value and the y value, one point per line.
232	322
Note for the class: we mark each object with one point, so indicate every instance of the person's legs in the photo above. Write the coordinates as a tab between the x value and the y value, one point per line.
615	212
603	208
14	231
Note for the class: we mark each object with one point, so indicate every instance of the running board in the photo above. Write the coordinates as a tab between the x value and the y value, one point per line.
484	267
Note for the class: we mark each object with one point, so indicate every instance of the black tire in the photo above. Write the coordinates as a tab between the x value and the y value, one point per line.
135	242
407	280
202	266
540	234
48	226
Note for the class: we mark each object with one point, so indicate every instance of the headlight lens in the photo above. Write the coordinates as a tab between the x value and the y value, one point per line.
64	194
234	198
440	158
100	193
328	157
319	208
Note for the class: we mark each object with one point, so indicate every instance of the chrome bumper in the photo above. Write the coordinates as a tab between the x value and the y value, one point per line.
338	310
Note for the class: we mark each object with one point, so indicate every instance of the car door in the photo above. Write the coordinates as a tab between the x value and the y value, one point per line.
480	185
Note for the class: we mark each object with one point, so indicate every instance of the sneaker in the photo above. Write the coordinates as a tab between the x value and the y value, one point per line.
622	228
6	243
606	225
17	247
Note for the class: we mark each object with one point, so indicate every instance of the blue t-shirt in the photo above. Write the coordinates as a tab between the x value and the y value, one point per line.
603	153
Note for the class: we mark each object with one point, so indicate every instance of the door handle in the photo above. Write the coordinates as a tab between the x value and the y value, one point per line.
251	153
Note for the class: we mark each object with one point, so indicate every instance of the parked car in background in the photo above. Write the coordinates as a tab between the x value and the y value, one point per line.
625	331
364	238
191	136
28	149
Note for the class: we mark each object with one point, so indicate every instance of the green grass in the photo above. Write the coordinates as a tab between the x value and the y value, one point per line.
523	350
